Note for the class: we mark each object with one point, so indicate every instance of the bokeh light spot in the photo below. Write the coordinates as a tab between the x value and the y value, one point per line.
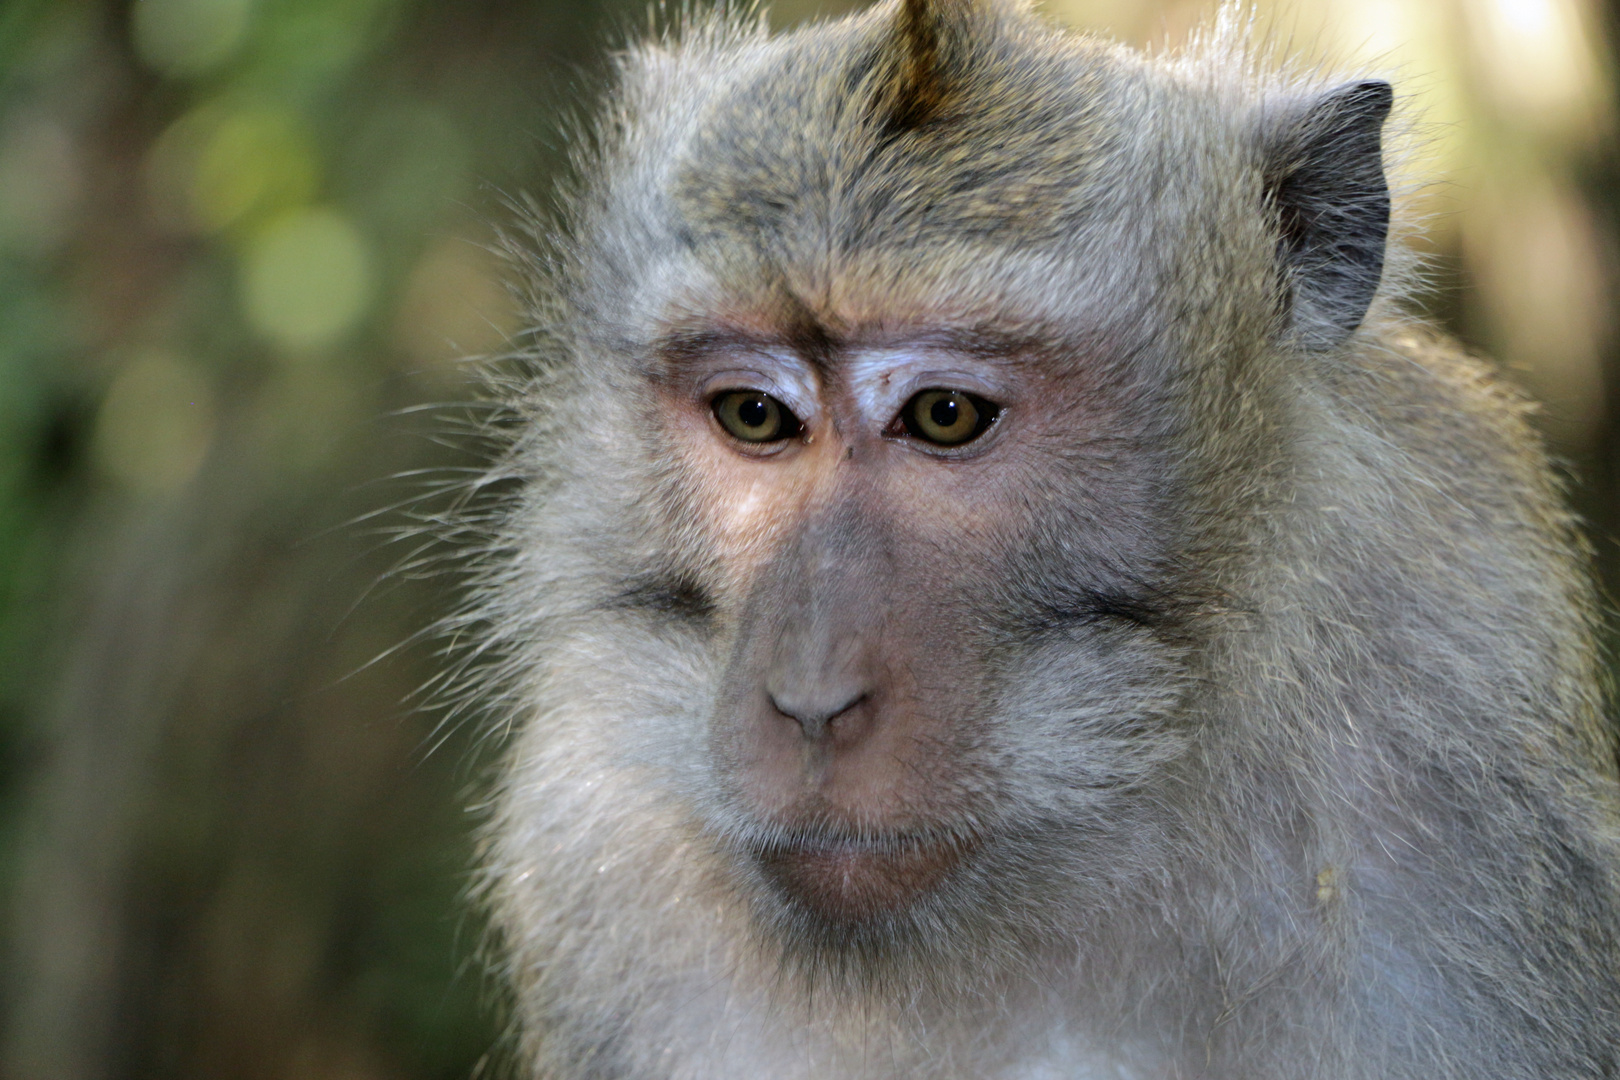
1540	65
306	279
155	424
218	168
455	306
189	37
257	160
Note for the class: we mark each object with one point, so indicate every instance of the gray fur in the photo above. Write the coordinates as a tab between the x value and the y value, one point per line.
1289	756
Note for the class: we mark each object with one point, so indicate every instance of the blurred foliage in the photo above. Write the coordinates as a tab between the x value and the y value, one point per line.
239	241
241	244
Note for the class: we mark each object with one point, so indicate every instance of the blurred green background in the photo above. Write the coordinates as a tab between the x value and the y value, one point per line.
242	253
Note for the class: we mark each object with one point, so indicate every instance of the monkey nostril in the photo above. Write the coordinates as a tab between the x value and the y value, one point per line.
813	717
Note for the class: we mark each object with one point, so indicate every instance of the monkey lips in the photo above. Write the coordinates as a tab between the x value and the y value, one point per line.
853	880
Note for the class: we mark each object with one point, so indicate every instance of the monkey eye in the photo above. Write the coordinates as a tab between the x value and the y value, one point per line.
755	417
947	417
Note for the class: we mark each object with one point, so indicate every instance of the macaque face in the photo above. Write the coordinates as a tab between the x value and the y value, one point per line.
983	605
873	505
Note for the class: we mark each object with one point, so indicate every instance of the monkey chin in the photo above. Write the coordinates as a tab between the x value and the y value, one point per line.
853	881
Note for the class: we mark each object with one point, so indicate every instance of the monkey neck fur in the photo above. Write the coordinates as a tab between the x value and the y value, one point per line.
997	587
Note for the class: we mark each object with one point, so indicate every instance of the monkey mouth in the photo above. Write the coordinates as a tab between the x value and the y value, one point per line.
856	880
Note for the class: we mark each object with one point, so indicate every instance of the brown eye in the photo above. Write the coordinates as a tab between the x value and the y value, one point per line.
754	417
947	417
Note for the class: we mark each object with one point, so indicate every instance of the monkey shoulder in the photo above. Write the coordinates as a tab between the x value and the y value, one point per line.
1436	437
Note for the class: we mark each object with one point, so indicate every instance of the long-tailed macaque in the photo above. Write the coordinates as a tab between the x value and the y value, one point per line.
1001	587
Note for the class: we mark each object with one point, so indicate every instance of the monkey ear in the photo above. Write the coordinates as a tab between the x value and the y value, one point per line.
1325	183
925	53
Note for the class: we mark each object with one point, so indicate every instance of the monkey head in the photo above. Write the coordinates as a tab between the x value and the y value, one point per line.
870	522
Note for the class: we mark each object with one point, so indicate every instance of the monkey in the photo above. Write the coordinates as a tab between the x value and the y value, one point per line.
996	581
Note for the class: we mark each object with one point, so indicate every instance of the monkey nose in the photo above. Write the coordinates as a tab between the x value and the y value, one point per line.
816	712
